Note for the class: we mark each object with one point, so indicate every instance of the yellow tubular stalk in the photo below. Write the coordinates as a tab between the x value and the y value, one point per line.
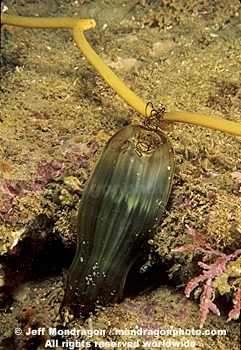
109	76
79	26
35	22
205	120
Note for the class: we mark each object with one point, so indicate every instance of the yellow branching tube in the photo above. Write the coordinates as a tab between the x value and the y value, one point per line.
79	26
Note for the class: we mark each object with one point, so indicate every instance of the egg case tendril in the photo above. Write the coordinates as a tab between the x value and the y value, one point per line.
79	26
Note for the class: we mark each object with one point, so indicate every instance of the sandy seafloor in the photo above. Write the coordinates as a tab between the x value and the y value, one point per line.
57	114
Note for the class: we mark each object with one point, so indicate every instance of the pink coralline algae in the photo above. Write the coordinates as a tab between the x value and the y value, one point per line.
209	274
9	189
48	171
151	314
146	316
68	161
